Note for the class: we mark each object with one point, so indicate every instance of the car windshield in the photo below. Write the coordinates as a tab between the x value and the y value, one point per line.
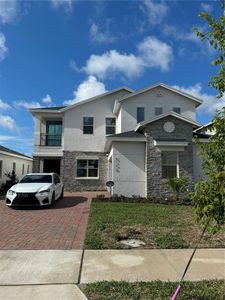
36	179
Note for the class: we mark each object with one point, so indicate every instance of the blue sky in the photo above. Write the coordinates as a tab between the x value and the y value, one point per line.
58	52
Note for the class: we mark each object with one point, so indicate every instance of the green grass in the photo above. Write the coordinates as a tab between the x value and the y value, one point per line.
155	290
158	225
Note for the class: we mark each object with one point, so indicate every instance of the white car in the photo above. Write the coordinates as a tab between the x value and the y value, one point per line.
35	189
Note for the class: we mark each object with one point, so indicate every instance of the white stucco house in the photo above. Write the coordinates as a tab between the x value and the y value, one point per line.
13	160
135	138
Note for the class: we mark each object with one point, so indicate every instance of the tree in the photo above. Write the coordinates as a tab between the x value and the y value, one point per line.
216	38
209	196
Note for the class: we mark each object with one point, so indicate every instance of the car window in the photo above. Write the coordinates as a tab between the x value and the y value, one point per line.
36	179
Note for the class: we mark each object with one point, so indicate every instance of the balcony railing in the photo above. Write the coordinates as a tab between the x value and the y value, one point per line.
50	140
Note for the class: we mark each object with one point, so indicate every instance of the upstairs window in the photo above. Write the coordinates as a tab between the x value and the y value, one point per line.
140	114
110	124
170	166
177	110
88	125
158	111
87	168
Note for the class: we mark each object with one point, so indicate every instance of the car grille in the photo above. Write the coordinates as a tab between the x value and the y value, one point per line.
26	199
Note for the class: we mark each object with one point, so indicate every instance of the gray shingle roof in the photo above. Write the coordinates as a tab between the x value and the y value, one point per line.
128	134
2	148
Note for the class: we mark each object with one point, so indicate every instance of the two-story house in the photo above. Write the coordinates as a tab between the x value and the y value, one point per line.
136	139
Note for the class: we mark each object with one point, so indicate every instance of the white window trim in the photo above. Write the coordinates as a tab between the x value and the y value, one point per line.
114	126
87	178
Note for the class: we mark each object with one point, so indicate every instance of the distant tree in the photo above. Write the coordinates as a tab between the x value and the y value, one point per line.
209	196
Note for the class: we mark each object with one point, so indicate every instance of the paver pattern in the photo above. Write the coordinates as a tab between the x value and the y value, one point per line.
62	226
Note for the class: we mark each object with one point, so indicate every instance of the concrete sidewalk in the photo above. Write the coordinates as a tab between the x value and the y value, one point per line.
53	274
149	265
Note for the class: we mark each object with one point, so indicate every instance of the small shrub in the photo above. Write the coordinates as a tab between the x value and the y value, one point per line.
177	185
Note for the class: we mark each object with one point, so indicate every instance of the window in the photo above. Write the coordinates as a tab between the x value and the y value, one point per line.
53	133
170	167
158	111
14	167
110	125
87	168
1	168
140	114
28	168
88	125
177	110
56	179
23	167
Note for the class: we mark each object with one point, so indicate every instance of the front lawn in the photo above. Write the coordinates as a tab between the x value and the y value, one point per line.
158	225
155	290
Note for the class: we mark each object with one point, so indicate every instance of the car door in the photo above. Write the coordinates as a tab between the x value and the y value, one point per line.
58	186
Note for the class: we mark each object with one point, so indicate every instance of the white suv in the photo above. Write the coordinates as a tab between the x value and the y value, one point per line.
35	189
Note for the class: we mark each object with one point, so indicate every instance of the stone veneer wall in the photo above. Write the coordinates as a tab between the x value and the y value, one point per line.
69	167
156	185
36	164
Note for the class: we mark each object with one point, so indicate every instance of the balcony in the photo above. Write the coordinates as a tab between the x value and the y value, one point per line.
51	140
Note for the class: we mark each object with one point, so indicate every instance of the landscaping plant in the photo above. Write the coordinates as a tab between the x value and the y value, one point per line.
177	185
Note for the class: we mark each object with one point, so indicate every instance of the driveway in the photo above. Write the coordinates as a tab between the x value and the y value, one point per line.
62	226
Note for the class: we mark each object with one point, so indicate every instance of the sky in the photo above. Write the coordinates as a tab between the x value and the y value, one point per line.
58	52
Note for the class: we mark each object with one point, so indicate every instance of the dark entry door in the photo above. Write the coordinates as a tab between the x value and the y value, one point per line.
52	165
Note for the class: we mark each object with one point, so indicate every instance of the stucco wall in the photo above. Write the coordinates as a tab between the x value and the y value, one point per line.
198	171
128	163
7	166
74	139
149	101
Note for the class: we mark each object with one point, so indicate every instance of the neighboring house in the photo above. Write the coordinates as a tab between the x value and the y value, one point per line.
136	139
207	129
13	160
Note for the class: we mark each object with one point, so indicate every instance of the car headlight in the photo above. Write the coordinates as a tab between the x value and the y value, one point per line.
44	192
11	192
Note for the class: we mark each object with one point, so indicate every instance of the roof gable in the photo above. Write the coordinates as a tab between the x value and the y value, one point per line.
162	85
9	151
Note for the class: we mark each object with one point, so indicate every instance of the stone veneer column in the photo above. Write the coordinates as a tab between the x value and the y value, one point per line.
156	185
36	164
69	167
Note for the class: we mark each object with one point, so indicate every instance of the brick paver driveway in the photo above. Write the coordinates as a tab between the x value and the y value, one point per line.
59	227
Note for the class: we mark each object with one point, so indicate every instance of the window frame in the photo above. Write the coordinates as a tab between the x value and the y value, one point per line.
14	166
179	108
23	169
86	168
170	164
158	107
85	126
138	119
110	126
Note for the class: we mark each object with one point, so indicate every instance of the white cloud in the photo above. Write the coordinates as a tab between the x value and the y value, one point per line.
67	5
3	48
112	62
89	88
206	7
4	105
6	138
178	34
47	99
210	103
101	37
7	122
27	105
8	10
155	53
152	53
156	11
